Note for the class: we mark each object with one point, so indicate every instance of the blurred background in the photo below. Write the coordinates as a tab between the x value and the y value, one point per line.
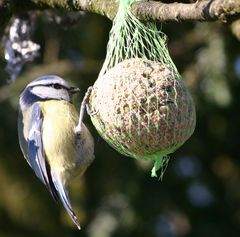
200	192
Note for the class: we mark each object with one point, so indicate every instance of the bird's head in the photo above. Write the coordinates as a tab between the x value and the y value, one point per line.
48	87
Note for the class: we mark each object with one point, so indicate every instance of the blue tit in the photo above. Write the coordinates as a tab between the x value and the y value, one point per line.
54	140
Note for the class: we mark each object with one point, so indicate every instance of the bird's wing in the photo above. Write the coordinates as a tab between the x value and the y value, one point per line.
35	152
37	160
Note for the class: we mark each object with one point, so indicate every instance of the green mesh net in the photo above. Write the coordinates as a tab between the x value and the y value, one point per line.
129	38
143	109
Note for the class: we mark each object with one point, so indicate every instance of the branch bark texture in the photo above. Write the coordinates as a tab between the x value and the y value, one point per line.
201	10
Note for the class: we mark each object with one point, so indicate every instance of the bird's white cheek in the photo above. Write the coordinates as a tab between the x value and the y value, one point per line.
46	92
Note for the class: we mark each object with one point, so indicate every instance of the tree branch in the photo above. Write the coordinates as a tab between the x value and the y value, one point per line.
106	8
201	10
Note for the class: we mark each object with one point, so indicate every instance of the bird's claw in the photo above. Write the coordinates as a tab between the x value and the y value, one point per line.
90	112
85	104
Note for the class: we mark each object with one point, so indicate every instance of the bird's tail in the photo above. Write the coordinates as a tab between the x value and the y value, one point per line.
63	196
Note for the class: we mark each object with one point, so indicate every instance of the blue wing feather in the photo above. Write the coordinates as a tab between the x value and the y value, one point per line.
36	156
37	160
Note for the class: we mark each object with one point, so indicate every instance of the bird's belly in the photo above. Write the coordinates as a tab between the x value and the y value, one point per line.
60	119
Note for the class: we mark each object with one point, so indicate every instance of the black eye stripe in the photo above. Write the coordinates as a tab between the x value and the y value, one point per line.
54	85
57	86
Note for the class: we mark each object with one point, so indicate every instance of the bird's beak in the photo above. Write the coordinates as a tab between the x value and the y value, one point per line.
74	90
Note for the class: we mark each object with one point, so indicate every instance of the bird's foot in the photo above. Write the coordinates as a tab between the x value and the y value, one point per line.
84	104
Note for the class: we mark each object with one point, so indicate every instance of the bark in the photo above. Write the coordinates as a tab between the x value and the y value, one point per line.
201	10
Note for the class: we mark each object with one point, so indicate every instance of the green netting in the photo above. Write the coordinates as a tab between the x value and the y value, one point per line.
130	38
143	108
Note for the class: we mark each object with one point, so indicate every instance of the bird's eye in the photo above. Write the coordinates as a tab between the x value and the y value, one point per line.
57	86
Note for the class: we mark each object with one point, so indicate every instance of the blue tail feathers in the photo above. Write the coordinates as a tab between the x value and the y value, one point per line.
63	196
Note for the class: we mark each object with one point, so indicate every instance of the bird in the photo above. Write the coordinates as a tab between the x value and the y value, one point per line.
53	138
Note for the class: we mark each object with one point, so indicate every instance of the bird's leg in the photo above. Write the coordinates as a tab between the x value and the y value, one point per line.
84	104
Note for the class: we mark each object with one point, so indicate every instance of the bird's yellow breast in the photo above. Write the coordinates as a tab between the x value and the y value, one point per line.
59	120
